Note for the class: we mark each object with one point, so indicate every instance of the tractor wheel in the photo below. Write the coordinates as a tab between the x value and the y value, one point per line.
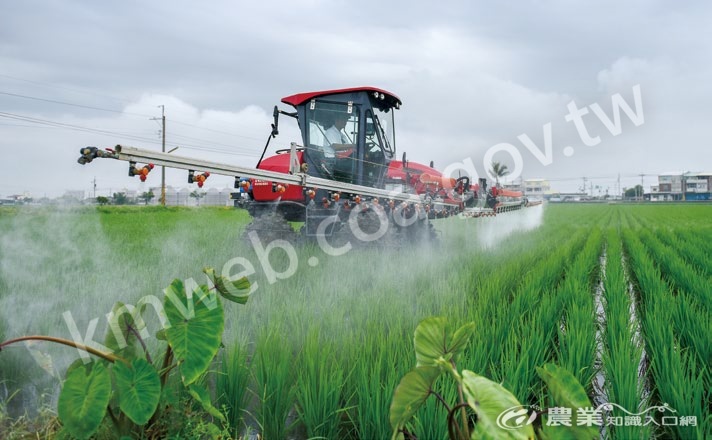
367	228
268	226
376	228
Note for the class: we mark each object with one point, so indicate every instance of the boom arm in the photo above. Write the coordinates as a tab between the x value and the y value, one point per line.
296	176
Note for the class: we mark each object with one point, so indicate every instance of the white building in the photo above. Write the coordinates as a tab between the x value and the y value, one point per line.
537	187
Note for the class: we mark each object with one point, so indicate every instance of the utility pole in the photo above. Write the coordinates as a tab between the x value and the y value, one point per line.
163	149
94	182
641	187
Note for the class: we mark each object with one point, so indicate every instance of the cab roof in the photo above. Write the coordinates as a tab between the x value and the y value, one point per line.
301	98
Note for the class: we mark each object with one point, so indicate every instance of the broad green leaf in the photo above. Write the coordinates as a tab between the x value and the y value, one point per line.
430	340
78	363
568	393
434	340
563	386
83	400
139	389
236	291
196	328
461	338
410	394
119	339
203	397
489	400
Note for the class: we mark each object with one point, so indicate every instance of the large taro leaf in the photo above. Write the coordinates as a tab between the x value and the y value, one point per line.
236	291
434	340
489	399
568	393
124	322
461	338
410	394
83	400
139	389
196	328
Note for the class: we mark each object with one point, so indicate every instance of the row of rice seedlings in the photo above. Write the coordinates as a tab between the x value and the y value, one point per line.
684	215
377	371
692	319
231	385
274	377
490	301
623	349
698	236
686	282
319	385
677	374
679	274
577	333
693	254
528	340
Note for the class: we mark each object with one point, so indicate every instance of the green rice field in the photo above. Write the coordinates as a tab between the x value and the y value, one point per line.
619	295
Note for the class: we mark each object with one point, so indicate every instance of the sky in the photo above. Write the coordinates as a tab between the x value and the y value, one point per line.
478	80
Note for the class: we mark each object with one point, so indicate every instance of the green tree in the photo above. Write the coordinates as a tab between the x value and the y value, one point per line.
120	199
632	193
102	200
499	170
146	197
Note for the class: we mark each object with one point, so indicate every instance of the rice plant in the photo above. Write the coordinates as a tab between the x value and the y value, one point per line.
678	377
231	386
319	386
623	349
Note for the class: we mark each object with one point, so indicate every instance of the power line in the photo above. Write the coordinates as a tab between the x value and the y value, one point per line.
54	124
34	98
53	101
54	86
71	126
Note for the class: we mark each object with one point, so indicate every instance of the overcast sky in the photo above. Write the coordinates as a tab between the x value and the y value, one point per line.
471	76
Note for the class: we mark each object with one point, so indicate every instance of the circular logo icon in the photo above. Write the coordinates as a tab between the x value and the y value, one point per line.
516	417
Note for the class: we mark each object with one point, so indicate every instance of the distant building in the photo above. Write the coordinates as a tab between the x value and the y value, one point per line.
566	197
688	186
16	199
697	186
537	187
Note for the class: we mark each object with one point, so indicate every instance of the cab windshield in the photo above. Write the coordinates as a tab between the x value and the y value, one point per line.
385	126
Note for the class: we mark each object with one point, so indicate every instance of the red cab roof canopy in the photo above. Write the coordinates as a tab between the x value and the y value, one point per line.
300	98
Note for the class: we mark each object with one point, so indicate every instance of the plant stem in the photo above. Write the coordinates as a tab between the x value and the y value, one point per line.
117	425
451	422
440	398
166	363
463	405
107	356
140	341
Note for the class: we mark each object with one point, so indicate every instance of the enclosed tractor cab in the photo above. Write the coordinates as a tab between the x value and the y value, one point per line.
348	138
